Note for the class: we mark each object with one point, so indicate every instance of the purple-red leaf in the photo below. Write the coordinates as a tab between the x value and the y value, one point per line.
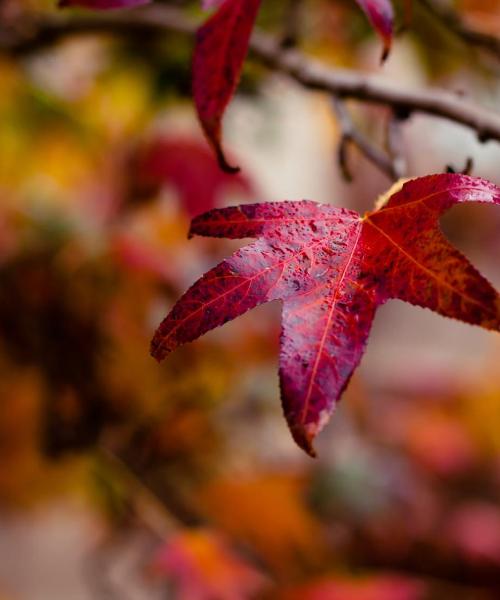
332	268
221	48
380	13
102	4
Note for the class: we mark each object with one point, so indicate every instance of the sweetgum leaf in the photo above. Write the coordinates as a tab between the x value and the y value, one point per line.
102	4
332	268
220	50
380	13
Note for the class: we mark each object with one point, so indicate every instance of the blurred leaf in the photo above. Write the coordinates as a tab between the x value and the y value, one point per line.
190	168
268	513
441	444
474	529
203	567
376	587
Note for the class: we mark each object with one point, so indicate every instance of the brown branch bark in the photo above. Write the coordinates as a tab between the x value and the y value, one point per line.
310	73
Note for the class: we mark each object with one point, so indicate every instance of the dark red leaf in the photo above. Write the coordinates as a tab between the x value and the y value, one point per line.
102	4
381	15
332	268
190	168
221	48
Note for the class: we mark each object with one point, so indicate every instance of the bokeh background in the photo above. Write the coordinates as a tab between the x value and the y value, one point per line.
121	478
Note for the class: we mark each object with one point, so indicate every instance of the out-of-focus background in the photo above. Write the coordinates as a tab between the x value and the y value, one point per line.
121	478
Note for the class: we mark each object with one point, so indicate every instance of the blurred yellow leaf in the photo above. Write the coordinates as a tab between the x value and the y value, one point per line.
267	512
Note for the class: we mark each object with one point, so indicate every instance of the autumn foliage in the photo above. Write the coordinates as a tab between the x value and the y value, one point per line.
208	207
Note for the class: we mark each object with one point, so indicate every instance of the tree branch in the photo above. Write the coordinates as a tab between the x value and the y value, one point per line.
306	71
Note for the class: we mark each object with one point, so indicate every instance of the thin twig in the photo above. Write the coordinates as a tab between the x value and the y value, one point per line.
466	170
452	21
349	134
292	22
308	72
152	510
395	144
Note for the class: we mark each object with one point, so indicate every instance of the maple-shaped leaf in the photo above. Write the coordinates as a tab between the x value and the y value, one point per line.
220	50
332	268
380	13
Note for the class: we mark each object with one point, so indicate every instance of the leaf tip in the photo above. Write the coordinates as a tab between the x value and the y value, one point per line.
223	163
386	50
158	349
304	437
380	13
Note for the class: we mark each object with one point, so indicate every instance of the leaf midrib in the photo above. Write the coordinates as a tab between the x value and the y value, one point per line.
321	344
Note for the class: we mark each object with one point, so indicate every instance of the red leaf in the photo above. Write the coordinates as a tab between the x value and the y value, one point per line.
381	15
190	168
221	48
102	4
332	268
136	256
